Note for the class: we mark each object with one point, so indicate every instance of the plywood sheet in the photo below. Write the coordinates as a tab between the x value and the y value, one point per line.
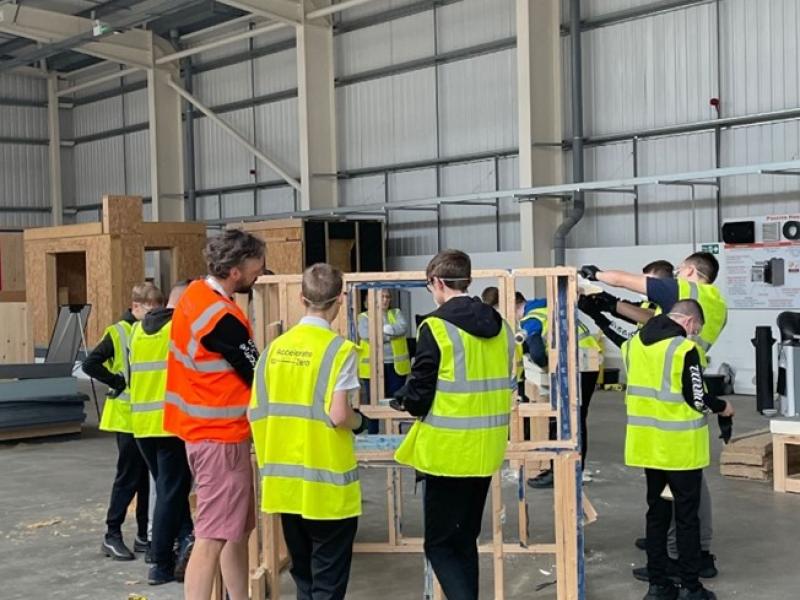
285	257
16	336
12	262
122	215
340	254
63	231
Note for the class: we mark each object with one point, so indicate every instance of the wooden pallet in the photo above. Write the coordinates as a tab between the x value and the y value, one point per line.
787	466
748	456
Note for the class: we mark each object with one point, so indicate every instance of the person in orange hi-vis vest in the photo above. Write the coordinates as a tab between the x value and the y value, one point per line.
209	375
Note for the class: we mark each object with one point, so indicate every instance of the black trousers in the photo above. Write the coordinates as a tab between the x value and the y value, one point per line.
131	480
453	509
321	554
166	460
685	487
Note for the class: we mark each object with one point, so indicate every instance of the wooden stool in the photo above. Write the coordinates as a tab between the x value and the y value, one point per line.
785	433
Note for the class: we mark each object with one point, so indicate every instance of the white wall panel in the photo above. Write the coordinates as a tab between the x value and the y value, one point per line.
609	218
761	55
24	176
24	220
596	8
23	88
87	216
469	228
219	159
275	72
23	121
385	44
207	208
412	232
388	120
509	209
756	195
665	211
137	163
473	22
136	107
278	137
221	86
99	170
223	51
650	72
276	200
97	117
362	190
240	204
478	109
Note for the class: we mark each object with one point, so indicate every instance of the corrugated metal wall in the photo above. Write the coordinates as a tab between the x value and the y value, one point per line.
642	73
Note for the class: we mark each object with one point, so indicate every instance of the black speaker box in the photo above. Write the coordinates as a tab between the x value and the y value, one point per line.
739	232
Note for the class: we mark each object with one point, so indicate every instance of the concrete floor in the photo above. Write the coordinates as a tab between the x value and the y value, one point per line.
54	493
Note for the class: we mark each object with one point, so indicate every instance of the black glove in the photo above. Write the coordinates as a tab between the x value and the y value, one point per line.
117	388
606	302
397	404
589	272
725	428
588	305
364	422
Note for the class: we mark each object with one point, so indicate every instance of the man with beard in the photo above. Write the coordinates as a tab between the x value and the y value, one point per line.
209	375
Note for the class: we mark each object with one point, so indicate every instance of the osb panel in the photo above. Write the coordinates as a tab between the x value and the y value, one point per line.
16	337
339	254
160	231
63	231
285	257
187	257
288	228
122	215
12	262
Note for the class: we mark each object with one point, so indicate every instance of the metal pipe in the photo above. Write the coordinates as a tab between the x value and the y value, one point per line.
189	173
98	81
575	213
220	42
334	8
235	134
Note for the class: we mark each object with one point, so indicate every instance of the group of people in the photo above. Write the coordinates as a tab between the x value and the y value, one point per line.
190	395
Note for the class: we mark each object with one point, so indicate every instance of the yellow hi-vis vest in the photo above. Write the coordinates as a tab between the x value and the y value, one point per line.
308	467
148	383
400	356
663	431
466	431
117	411
518	363
715	310
585	337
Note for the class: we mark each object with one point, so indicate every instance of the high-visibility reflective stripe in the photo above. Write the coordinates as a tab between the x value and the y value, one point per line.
155	365
476	385
192	347
204	366
703	344
123	341
139	407
124	396
668	425
693	293
466	422
399	357
645	392
512	353
205	316
309	474
206	412
462	385
316	411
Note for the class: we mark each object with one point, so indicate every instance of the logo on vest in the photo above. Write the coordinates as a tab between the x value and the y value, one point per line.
297	358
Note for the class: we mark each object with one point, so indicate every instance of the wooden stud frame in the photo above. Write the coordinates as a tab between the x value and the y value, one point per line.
276	301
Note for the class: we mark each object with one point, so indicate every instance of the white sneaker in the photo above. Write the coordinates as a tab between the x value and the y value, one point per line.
587	478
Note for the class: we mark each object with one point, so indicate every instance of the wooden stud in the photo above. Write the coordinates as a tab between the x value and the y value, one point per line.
497	536
780	463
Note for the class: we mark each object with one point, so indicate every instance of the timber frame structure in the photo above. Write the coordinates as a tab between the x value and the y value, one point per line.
276	307
99	263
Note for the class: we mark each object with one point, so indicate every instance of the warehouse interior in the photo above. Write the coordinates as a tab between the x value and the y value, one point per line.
371	135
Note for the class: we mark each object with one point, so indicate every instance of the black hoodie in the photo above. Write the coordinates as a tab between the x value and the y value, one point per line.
94	365
156	319
469	314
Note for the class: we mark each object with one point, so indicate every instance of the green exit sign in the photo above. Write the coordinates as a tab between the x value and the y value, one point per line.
711	248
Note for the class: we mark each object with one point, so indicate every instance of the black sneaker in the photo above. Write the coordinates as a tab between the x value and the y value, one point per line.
140	545
708	569
114	547
700	593
148	557
160	575
184	553
672	573
661	592
641	544
542	480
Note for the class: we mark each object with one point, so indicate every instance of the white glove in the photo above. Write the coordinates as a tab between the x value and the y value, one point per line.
387	330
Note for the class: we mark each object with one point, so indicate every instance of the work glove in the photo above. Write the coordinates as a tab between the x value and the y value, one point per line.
364	423
725	428
397	404
606	302
387	330
589	272
589	305
117	387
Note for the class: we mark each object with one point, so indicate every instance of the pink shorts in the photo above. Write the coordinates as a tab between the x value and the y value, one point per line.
223	478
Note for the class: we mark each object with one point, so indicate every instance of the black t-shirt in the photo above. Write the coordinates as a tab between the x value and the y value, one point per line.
664	292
